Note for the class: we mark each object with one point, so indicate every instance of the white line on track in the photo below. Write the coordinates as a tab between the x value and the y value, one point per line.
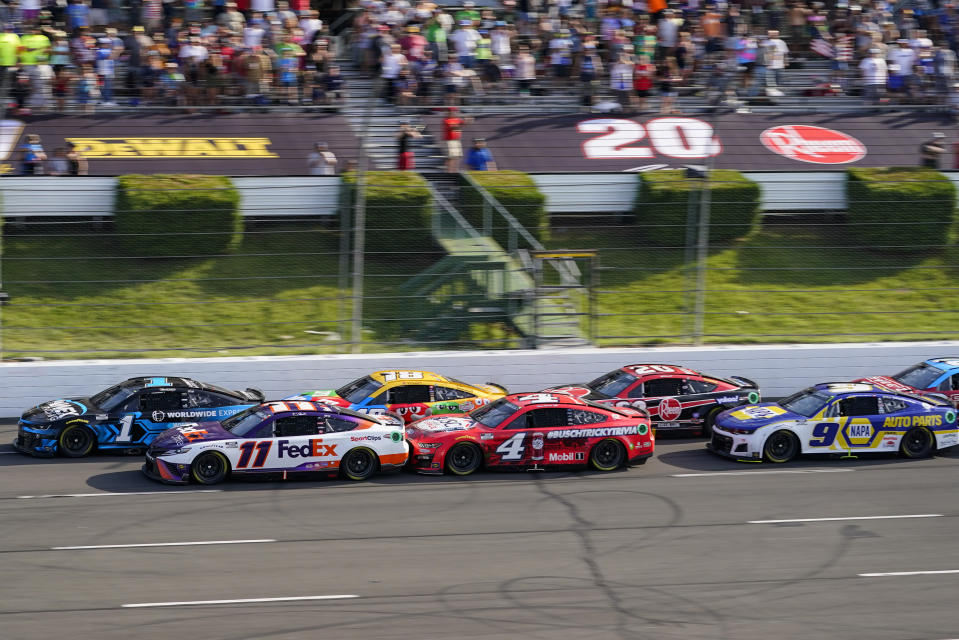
755	473
160	544
8	453
907	573
127	493
195	603
915	515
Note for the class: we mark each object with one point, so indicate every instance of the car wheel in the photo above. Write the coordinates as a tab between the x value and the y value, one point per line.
358	464
464	458
710	421
917	443
76	441
209	468
781	446
607	455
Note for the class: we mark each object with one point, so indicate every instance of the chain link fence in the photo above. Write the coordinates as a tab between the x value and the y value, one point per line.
447	267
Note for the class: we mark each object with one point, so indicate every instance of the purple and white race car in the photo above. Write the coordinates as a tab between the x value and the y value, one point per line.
279	437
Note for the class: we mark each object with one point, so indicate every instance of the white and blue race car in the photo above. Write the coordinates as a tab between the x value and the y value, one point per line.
837	418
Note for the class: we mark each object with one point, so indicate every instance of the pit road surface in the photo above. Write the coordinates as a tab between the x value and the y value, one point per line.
667	550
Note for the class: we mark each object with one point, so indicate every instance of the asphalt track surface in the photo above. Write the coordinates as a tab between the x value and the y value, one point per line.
666	550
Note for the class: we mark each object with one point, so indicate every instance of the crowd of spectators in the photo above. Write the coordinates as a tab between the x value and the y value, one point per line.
630	50
58	55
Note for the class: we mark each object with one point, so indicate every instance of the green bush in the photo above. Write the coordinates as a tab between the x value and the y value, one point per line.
177	215
518	194
399	211
662	205
900	208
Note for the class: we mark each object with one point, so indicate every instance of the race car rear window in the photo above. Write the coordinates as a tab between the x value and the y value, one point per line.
920	376
806	403
449	393
663	387
613	383
358	390
700	386
492	415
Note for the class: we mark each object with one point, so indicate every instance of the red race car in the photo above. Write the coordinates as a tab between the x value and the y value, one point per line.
530	430
677	398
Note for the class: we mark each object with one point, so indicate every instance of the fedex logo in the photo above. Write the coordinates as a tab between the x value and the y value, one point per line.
314	449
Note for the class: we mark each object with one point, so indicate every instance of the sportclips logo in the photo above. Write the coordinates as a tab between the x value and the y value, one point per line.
813	144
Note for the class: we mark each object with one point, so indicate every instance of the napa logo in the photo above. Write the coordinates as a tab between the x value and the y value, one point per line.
859	432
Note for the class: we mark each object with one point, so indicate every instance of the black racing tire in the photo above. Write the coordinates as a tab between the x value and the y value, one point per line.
464	458
359	464
710	421
607	455
210	468
781	446
918	442
76	441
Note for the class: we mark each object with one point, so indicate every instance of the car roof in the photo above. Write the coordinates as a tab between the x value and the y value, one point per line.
944	364
175	382
297	406
839	389
545	398
423	376
674	368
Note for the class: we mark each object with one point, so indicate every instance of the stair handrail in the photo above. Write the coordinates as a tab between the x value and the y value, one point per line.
568	271
440	199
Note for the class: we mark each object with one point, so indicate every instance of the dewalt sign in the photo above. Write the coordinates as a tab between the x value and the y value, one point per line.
172	148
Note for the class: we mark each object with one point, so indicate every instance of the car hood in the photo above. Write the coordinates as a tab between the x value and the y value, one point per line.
754	416
578	390
56	410
326	396
192	433
889	383
437	426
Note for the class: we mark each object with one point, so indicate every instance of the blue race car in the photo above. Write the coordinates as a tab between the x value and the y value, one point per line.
125	417
849	417
935	375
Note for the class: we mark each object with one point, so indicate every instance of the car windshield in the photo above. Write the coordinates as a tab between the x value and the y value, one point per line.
613	383
111	398
358	390
920	376
806	403
246	421
491	415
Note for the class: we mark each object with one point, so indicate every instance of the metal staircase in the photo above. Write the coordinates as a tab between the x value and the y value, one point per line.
477	280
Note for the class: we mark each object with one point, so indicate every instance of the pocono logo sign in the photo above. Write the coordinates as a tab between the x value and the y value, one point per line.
817	145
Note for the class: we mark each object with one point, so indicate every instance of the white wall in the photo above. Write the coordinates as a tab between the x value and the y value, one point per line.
779	369
588	193
815	190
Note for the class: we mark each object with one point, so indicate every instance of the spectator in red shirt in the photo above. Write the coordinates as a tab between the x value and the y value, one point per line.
452	137
643	75
413	44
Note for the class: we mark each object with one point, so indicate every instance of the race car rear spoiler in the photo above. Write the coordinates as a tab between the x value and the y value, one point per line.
253	394
745	382
498	386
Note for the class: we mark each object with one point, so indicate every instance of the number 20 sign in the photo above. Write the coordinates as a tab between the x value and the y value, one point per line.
684	138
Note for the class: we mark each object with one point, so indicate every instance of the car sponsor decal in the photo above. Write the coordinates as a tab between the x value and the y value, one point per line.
59	409
444	424
670	409
565	457
889	383
758	413
595	432
904	422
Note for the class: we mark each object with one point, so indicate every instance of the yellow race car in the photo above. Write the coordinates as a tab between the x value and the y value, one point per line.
409	394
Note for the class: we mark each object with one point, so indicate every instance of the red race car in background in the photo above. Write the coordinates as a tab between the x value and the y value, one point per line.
677	398
525	430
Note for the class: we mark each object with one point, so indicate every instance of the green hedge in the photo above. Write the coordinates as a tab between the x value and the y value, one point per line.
900	208
205	210
662	205
518	194
399	211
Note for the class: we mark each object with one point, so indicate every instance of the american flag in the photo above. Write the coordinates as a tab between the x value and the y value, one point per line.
822	47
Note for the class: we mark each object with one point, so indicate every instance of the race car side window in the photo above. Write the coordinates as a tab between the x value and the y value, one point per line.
204	399
162	401
296	426
410	394
636	391
663	387
449	393
546	418
579	416
892	405
700	386
859	406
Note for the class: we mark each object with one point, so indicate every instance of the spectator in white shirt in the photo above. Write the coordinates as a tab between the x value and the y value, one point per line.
874	76
464	39
776	53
